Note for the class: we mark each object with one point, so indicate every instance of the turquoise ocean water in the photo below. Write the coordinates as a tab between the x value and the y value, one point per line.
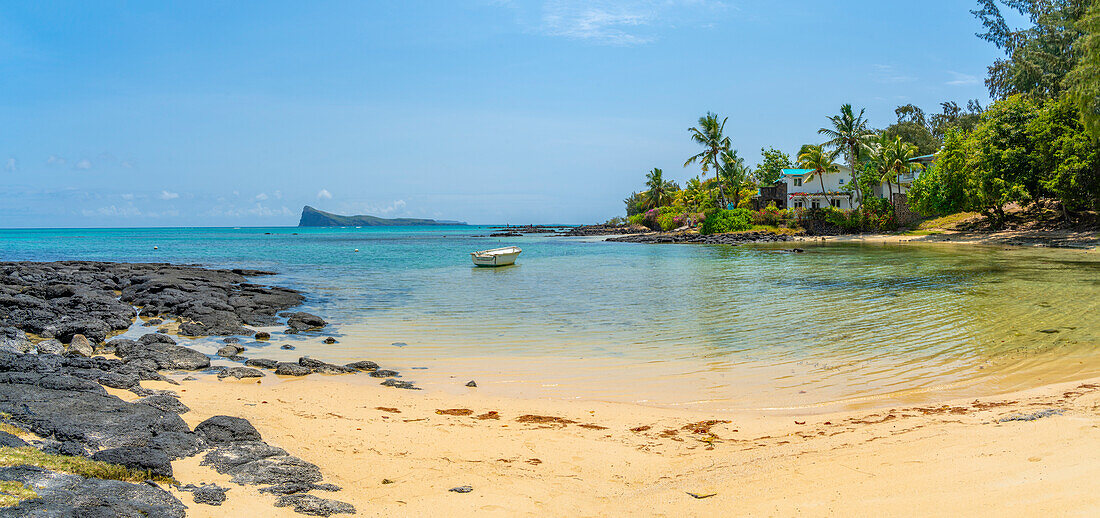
709	326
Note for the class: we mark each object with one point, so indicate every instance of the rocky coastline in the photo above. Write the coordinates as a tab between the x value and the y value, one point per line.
58	358
734	238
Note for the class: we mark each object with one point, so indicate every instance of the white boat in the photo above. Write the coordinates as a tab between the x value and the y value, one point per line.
497	256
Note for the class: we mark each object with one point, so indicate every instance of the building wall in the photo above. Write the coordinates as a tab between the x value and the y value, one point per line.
834	182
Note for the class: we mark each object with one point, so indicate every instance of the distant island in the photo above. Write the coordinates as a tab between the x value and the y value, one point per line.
312	217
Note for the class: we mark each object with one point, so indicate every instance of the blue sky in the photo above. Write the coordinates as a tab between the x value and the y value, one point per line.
239	113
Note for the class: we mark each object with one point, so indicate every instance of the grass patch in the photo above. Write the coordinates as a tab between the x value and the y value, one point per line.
923	232
82	466
12	492
946	222
14	430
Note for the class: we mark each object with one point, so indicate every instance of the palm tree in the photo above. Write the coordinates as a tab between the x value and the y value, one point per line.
733	172
821	163
897	155
658	187
709	134
850	136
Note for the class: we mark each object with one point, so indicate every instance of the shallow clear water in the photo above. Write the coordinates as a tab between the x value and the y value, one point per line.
709	326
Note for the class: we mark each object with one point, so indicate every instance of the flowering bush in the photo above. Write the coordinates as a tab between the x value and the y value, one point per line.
770	216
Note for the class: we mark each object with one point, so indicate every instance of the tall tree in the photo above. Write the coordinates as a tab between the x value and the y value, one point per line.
955	117
820	162
659	190
771	166
733	173
896	156
1038	56
710	133
850	136
1084	80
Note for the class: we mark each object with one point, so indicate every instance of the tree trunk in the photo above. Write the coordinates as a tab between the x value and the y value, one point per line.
821	181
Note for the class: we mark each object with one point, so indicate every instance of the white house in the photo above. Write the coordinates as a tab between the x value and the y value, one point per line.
803	192
807	193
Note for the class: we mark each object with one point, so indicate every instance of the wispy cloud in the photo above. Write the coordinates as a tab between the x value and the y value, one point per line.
960	79
613	22
323	194
84	164
166	195
889	74
55	160
262	196
11	165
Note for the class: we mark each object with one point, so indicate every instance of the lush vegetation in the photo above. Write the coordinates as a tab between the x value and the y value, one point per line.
1038	140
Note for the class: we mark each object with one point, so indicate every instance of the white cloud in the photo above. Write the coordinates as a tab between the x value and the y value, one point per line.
278	195
323	194
128	196
126	164
961	79
165	195
262	196
11	165
613	22
113	210
889	74
55	160
84	163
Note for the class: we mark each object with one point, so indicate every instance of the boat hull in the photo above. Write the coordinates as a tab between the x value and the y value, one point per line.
499	257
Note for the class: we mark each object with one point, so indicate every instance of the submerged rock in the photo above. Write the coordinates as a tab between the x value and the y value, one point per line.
363	366
240	372
302	321
262	363
292	369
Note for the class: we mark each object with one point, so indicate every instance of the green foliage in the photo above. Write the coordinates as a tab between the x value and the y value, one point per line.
1022	149
771	166
850	136
1083	82
721	221
667	221
1040	55
636	203
941	189
710	133
636	219
616	221
733	174
955	118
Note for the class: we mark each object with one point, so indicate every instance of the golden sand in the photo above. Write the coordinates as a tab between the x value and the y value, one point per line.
578	458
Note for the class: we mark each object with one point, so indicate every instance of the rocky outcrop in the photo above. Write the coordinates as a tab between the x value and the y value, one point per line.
64	299
734	238
65	495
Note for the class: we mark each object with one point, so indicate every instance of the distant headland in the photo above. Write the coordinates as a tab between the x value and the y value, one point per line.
312	217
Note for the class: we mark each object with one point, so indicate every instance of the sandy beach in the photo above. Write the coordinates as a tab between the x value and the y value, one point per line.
398	453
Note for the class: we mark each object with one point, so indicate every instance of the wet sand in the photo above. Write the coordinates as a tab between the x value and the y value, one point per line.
584	458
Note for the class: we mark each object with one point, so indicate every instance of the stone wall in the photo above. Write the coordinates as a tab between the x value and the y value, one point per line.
902	212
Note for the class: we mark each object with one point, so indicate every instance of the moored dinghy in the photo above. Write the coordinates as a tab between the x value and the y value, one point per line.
497	256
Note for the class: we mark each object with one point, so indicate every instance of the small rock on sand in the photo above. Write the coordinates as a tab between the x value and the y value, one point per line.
471	383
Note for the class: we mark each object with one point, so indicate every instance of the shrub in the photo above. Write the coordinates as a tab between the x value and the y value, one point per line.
667	221
727	221
770	216
636	219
